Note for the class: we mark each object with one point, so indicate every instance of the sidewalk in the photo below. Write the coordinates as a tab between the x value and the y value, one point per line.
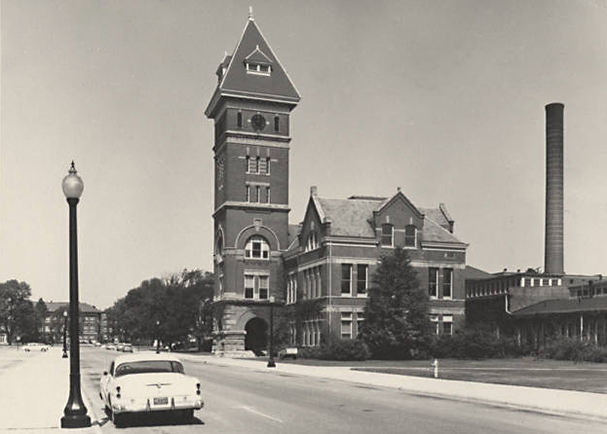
549	401
35	389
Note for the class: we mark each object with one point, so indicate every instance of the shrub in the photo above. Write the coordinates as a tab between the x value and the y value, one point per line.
574	350
474	343
342	350
345	349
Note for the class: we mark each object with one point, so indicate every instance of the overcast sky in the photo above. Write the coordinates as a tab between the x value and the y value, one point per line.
444	99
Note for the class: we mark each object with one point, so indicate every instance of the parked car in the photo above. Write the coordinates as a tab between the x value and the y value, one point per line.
110	347
148	382
35	346
127	348
119	346
288	353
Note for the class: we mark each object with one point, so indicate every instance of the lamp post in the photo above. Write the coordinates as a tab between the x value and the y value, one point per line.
157	337
64	334
75	411
271	363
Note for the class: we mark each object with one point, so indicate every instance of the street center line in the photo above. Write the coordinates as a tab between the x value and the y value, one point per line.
252	410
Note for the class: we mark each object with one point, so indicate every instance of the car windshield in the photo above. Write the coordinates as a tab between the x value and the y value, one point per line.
148	366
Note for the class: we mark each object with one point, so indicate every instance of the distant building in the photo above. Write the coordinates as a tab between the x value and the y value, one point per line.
89	318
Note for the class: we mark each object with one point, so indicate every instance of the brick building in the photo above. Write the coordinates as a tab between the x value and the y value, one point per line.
337	250
260	259
89	317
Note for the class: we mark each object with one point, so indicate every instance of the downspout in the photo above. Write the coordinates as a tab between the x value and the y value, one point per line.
330	285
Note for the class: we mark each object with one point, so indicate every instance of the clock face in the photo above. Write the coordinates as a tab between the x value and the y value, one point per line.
258	122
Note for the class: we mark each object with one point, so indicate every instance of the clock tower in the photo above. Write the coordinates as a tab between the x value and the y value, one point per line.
251	109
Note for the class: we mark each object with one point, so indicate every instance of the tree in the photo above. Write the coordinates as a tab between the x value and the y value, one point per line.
14	309
171	309
396	314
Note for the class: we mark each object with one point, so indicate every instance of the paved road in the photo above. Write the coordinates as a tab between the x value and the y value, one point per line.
243	401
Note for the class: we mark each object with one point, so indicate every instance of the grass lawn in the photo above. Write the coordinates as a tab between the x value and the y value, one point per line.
526	371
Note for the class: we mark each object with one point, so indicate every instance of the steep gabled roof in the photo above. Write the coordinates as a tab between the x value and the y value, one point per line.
258	56
237	82
399	196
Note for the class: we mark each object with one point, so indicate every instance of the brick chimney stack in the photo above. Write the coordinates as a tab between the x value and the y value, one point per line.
554	230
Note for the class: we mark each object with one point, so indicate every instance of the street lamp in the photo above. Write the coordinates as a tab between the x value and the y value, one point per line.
64	334
157	337
271	363
74	412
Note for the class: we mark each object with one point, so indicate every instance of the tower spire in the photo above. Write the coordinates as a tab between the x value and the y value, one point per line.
251	13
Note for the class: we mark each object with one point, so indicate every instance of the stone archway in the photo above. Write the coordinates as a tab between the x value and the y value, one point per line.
256	335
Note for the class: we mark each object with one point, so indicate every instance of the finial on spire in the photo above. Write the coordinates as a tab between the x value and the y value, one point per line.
251	13
72	168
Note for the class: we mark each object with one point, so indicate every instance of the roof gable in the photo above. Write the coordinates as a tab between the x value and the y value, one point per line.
253	47
399	196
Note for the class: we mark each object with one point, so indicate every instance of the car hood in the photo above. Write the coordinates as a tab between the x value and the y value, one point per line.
156	384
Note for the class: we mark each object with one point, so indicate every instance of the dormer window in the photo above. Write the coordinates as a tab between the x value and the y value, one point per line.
257	63
312	243
258	69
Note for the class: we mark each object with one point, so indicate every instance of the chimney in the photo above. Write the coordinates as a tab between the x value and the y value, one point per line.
553	247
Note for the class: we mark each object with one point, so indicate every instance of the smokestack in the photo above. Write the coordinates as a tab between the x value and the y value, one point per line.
554	250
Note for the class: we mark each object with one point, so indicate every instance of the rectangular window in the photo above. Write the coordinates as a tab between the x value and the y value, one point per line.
258	194
239	119
361	279
447	283
264	287
433	282
435	324
268	165
253	164
387	232
448	325
247	194
249	286
276	123
360	321
262	165
346	325
346	279
267	194
410	236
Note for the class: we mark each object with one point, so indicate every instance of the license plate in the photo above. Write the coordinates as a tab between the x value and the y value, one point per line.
161	401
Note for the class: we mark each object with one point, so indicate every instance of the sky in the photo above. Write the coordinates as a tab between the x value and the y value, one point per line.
444	99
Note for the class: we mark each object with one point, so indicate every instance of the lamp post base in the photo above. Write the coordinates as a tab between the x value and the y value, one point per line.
271	363
64	356
75	421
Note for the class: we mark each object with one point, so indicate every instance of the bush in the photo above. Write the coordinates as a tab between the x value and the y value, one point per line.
474	343
574	350
342	350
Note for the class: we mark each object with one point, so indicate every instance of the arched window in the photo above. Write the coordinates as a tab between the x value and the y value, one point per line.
257	248
219	248
387	234
410	232
312	242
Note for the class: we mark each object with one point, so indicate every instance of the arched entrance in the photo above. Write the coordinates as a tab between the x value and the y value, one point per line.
256	336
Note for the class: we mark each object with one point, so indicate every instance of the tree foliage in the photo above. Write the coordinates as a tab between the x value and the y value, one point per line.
396	315
170	309
17	313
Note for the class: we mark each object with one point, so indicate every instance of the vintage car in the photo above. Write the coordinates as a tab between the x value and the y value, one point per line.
35	346
148	382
